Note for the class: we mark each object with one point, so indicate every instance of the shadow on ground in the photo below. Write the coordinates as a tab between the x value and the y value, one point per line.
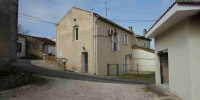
25	65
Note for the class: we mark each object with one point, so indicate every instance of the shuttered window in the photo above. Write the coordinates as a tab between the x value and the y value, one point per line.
112	39
124	39
118	42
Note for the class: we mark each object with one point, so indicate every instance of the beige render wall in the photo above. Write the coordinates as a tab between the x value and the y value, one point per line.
104	53
194	41
176	40
70	49
144	59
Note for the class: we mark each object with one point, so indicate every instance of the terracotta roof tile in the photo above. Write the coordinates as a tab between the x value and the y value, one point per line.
44	40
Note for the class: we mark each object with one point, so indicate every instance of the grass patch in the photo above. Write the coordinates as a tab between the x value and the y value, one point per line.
14	78
144	77
147	89
40	81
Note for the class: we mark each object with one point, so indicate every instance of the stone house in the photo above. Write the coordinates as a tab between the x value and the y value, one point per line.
143	55
141	41
38	45
91	42
8	30
177	39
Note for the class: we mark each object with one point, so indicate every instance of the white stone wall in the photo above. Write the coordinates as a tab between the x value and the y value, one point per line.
23	47
144	59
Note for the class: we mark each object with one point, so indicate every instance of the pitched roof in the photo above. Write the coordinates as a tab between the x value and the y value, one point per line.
107	20
44	40
140	36
179	2
145	49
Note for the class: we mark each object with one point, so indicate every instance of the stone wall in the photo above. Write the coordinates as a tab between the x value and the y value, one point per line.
8	29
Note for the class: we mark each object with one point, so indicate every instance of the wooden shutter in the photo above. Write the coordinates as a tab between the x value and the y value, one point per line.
124	38
112	40
118	42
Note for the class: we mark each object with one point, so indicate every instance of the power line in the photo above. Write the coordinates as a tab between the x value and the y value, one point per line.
30	16
134	20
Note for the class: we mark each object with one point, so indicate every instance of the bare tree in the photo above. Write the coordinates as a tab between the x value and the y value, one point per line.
21	30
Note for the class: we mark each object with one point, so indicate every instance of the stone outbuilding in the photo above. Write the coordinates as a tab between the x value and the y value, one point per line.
177	39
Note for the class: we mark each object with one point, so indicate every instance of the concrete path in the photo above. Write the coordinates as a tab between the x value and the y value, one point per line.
67	89
26	65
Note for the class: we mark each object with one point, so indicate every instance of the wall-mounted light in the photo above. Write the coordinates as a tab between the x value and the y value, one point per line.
83	48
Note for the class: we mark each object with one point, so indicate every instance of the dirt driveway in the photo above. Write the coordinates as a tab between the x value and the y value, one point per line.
67	89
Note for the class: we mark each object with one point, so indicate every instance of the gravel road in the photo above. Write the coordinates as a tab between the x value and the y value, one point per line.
67	89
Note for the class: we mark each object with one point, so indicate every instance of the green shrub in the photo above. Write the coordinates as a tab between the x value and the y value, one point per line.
14	78
31	56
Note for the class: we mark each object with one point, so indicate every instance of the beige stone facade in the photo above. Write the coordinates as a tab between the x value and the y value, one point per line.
93	40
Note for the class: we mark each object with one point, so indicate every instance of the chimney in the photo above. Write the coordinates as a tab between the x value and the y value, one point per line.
130	28
144	32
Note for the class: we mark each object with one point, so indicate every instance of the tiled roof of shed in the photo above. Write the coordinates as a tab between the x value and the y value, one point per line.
44	40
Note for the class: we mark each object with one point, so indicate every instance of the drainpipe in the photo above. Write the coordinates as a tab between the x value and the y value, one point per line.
94	35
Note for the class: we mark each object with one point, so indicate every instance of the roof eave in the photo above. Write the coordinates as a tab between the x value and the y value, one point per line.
171	14
111	22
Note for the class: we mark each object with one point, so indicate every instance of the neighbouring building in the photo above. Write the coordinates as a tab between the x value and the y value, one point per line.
143	55
90	42
54	39
21	46
8	30
141	41
177	39
38	45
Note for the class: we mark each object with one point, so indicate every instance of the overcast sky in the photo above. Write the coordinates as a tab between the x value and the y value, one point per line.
141	14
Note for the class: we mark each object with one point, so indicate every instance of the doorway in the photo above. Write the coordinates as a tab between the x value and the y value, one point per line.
85	62
164	68
126	64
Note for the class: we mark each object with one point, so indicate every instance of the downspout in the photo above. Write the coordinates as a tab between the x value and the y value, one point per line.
94	35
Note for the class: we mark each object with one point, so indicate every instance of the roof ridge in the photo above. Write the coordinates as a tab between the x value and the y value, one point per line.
105	19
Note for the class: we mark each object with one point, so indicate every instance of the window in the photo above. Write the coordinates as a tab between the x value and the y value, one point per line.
19	47
76	33
125	39
115	40
118	42
112	40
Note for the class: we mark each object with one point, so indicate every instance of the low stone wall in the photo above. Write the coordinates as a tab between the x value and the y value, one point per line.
48	64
